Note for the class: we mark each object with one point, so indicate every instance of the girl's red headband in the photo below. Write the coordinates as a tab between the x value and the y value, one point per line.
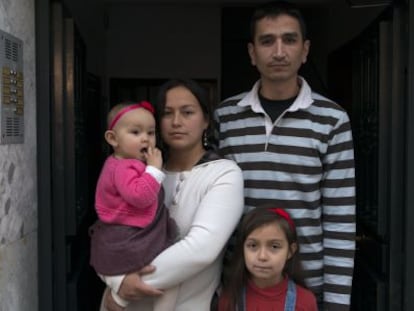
285	215
144	104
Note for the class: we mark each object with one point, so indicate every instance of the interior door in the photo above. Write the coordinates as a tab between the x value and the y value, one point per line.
75	286
374	62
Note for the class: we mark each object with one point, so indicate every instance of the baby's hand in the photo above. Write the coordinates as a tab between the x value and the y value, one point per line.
154	157
110	303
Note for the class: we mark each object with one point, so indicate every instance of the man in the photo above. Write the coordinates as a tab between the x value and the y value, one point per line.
295	149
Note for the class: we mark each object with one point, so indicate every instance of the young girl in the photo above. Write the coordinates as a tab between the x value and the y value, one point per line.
264	271
133	225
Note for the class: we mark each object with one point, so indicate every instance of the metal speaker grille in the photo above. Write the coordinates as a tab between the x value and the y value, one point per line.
11	50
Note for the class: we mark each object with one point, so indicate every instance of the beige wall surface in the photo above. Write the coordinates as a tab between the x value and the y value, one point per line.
18	189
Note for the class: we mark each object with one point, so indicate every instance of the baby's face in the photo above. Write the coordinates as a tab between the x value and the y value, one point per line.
135	133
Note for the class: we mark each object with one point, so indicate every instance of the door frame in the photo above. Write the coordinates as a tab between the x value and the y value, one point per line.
44	169
408	302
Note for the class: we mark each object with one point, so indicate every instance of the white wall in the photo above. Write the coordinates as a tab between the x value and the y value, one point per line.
18	177
163	41
149	41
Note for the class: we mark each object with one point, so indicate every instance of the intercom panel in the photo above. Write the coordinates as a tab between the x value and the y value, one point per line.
11	89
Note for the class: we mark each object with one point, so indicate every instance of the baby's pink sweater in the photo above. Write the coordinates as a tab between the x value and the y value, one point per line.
125	193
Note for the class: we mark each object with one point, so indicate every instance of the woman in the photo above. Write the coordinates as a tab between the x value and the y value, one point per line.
205	196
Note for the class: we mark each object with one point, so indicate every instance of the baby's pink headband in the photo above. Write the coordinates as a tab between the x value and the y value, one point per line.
282	213
144	104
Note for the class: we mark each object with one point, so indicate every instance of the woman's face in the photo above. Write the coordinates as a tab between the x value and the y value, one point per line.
182	121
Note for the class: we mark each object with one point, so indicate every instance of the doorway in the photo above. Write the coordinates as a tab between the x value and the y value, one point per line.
68	275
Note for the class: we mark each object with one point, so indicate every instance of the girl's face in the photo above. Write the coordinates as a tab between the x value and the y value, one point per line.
182	121
266	251
133	134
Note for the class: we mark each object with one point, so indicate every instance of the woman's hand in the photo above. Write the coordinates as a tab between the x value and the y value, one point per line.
132	287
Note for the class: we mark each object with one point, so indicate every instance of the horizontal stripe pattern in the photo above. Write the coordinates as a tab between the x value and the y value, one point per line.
305	165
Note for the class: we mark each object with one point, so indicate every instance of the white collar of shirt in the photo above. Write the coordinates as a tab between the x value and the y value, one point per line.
303	100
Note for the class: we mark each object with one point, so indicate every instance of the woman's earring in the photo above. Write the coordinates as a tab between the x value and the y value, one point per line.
205	139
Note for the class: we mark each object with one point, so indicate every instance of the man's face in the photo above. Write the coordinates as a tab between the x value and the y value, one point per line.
278	49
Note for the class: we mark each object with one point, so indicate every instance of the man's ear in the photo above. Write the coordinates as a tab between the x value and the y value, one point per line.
306	47
250	49
292	249
110	138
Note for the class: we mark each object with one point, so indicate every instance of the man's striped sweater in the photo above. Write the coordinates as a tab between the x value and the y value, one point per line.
303	162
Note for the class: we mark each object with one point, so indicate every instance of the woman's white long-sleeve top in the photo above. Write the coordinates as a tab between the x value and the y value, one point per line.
206	203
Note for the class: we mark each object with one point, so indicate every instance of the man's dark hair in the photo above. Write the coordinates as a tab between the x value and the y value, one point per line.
274	9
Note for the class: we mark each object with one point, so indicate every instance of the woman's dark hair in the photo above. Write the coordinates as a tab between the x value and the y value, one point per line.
238	275
199	93
274	9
